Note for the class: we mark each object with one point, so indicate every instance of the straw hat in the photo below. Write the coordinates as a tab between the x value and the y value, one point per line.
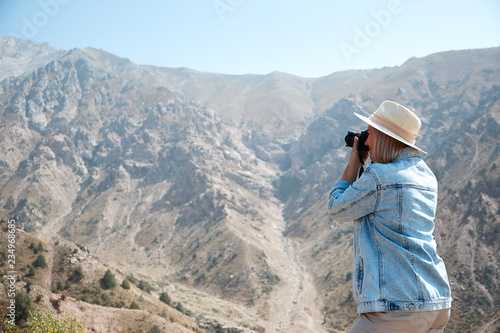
396	121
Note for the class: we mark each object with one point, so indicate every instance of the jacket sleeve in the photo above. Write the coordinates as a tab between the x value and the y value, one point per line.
349	202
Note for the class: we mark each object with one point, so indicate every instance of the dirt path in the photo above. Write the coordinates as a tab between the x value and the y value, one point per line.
297	310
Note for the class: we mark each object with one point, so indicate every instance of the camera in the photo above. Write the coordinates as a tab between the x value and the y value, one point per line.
349	140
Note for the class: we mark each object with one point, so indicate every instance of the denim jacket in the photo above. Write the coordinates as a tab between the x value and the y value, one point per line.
396	266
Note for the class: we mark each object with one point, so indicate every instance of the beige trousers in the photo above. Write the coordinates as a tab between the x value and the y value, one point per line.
402	322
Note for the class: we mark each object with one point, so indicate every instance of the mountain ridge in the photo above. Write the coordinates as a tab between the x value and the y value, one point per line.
214	186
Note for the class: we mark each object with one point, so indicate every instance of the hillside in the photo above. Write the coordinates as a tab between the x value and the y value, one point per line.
52	288
213	187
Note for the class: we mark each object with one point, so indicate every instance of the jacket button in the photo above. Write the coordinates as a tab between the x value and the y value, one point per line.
421	306
411	306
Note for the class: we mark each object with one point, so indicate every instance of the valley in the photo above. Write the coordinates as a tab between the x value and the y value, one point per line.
212	188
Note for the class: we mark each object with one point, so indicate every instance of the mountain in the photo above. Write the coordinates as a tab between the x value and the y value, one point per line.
213	187
55	286
18	56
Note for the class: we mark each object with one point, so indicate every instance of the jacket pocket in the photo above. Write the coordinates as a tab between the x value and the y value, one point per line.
360	274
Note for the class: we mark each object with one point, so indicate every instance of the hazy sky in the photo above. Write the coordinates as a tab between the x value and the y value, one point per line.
306	38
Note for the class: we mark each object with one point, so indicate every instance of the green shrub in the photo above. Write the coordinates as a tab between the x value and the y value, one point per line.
165	298
6	326
132	279
32	272
67	285
40	262
125	284
144	286
77	275
108	281
54	323
23	306
179	307
3	255
105	298
155	329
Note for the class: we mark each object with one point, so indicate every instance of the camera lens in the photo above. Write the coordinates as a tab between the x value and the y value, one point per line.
349	138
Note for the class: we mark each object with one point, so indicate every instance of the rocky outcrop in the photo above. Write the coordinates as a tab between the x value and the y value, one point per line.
206	180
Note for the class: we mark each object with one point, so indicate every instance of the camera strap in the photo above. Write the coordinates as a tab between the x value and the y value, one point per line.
360	154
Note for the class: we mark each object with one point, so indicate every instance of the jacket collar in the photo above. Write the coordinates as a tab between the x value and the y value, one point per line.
407	153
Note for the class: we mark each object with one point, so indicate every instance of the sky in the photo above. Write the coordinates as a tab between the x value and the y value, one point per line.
311	38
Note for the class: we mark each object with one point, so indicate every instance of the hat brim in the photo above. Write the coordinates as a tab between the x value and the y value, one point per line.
386	131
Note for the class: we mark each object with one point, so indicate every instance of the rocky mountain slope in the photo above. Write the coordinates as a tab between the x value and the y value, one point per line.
54	288
214	187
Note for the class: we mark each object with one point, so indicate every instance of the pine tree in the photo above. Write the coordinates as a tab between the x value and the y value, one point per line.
108	281
40	262
32	272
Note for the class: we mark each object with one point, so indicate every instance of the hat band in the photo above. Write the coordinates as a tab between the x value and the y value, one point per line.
381	120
